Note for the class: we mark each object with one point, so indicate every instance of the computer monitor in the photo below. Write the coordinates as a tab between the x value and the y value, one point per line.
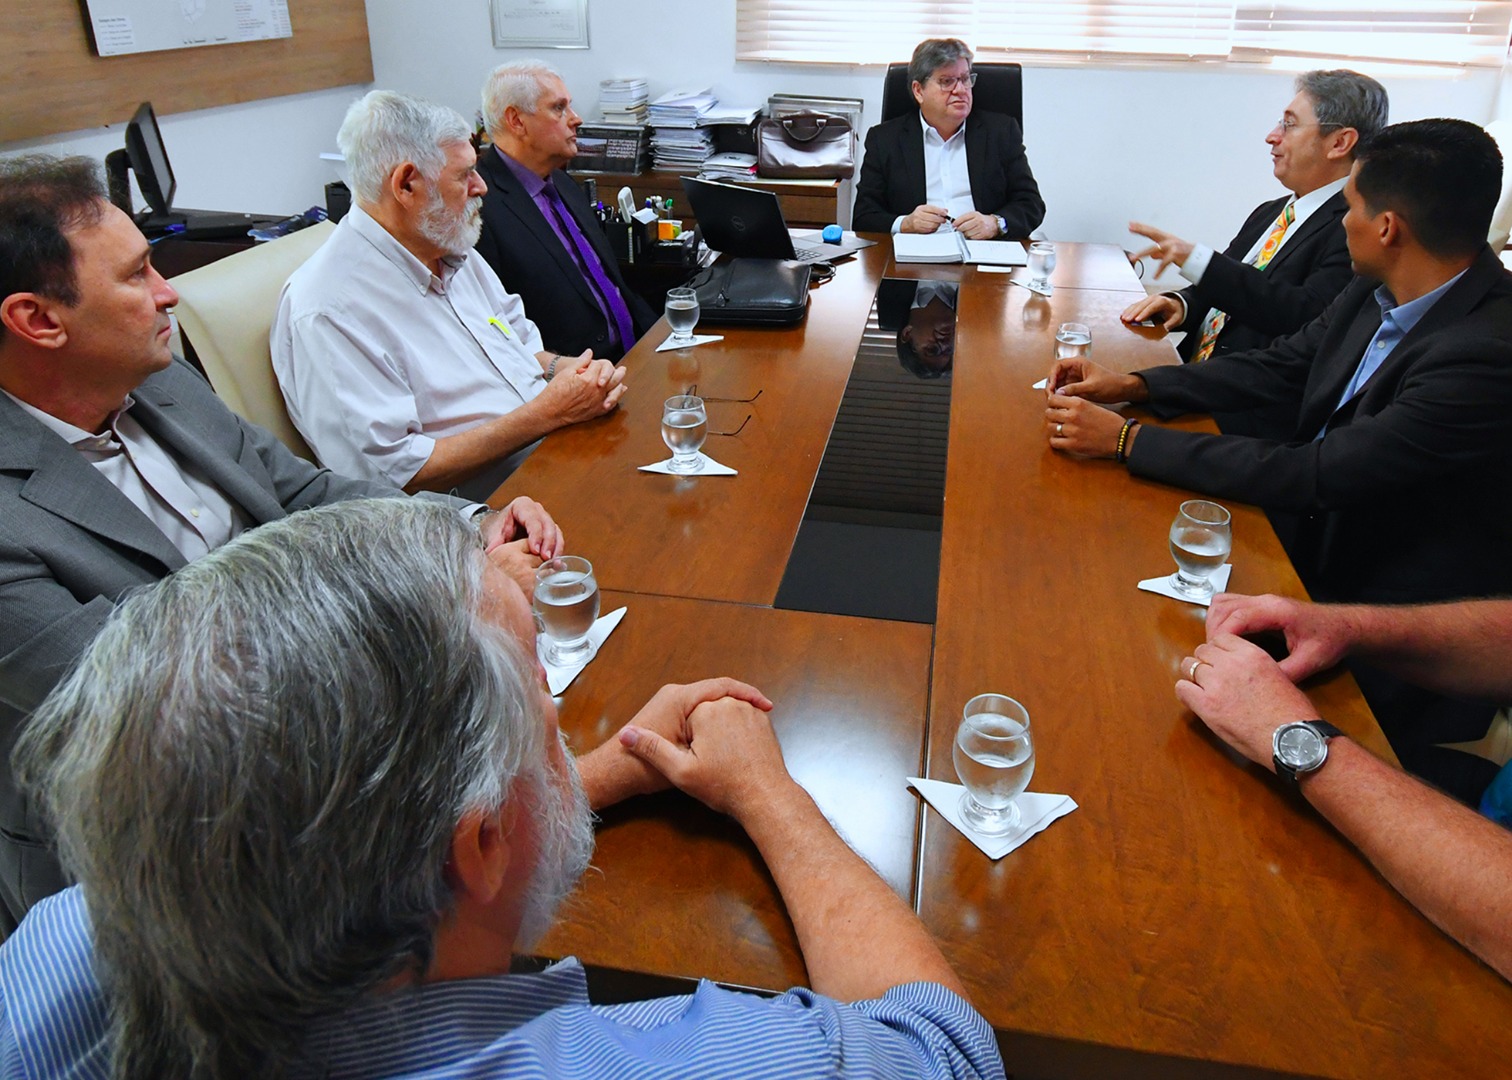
149	160
147	157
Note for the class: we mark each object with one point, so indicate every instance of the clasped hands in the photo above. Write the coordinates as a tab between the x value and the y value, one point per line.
1074	422
971	225
711	739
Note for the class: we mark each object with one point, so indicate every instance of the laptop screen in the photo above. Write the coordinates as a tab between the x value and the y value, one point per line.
740	221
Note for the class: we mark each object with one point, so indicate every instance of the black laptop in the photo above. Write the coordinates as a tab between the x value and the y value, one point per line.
747	223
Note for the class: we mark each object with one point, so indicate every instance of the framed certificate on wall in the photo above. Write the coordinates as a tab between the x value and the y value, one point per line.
540	24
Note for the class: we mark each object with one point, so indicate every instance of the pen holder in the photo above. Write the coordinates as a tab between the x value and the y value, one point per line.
627	239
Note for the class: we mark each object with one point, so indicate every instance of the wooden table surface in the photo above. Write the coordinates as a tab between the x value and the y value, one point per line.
1191	918
1104	267
683	892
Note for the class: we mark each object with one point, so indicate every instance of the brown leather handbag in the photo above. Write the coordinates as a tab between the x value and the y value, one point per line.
806	146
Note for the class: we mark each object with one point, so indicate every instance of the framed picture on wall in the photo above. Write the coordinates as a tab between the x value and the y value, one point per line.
539	24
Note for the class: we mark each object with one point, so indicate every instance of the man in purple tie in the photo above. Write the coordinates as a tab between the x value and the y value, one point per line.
539	233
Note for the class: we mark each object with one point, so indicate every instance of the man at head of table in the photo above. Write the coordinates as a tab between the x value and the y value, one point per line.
947	166
400	355
1396	484
311	838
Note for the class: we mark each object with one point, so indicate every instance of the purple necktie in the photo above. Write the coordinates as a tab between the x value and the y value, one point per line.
610	301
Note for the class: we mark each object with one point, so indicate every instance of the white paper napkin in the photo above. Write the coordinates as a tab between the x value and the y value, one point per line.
1043	290
1163	586
698	339
1036	812
559	678
1041	384
710	468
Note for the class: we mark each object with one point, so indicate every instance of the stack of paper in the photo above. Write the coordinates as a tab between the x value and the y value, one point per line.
720	113
729	166
623	101
681	108
679	149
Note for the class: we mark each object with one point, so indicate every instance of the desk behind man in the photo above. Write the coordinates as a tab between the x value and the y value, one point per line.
538	233
948	163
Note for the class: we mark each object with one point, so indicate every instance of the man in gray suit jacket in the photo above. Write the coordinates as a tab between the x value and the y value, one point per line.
118	464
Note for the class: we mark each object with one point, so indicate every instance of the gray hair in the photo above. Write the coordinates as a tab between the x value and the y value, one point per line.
1344	98
517	83
933	54
383	130
256	770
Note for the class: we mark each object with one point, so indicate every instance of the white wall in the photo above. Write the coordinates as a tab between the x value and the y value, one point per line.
263	156
1179	146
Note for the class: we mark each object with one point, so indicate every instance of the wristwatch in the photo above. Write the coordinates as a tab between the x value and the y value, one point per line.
1001	224
1301	747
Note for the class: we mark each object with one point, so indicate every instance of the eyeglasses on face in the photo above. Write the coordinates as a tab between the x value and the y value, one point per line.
950	82
1288	124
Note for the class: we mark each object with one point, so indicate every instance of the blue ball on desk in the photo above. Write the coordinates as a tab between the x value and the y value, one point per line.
832	234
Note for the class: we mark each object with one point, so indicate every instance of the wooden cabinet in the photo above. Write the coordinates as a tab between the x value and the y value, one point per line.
805	203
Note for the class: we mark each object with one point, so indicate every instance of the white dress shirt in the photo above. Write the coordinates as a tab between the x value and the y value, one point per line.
187	508
946	181
378	357
1305	205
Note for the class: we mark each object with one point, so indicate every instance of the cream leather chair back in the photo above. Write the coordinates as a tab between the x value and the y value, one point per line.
226	311
1501	220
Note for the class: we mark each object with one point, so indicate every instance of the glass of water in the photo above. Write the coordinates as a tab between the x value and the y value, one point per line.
566	603
1073	339
682	314
1201	540
685	426
1041	263
994	757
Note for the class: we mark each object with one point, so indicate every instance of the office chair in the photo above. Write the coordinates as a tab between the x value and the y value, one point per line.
225	311
1501	220
999	88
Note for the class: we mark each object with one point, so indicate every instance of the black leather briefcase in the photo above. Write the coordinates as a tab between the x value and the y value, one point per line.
752	292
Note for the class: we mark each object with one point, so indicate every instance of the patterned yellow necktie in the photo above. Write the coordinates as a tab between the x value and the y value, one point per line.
1212	326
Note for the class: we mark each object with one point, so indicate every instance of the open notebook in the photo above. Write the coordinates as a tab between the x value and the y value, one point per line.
951	247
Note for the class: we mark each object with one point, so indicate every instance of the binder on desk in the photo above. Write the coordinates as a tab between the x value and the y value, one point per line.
951	247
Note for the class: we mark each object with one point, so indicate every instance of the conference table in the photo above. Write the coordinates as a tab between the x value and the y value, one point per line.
1192	917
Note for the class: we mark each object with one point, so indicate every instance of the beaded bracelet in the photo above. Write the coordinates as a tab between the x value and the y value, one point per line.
1119	455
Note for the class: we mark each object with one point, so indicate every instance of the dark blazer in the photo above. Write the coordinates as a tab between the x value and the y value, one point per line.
72	546
524	251
1294	288
1408	496
893	183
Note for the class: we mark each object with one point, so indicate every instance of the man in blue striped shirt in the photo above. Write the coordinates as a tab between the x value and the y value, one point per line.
310	838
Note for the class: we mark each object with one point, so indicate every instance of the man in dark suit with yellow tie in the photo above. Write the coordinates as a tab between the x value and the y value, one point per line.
539	233
1289	259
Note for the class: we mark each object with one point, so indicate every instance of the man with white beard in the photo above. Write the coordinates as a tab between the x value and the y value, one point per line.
310	839
400	355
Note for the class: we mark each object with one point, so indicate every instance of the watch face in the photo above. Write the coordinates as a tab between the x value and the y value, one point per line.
1301	748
